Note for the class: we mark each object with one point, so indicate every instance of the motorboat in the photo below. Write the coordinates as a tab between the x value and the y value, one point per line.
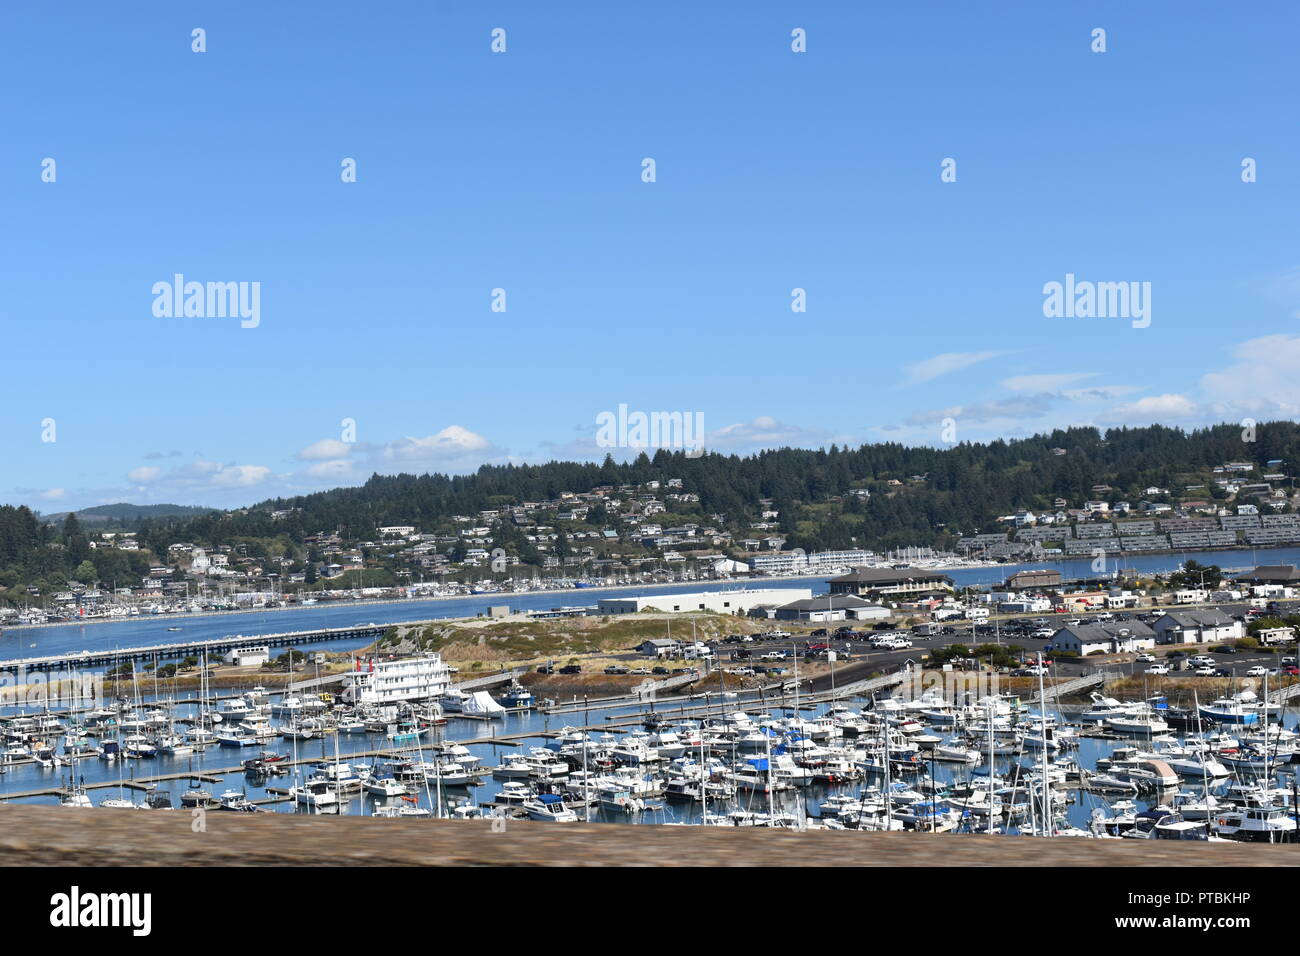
1266	824
549	807
385	787
314	793
1243	708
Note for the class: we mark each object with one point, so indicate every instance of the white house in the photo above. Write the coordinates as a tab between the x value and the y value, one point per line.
1085	639
1197	627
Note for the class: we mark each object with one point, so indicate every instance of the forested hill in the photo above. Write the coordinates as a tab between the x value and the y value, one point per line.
125	515
876	496
965	486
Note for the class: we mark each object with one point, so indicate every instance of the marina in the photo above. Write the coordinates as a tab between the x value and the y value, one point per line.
400	741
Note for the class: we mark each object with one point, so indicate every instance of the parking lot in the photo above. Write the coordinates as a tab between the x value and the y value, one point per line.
1029	633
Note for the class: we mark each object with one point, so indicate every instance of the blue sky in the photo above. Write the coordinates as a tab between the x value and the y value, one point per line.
522	171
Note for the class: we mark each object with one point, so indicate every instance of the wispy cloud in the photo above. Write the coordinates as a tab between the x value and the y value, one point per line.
1014	408
1047	382
944	364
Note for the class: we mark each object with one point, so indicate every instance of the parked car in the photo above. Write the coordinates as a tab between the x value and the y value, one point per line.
1145	658
1204	671
660	670
571	669
1158	669
1259	670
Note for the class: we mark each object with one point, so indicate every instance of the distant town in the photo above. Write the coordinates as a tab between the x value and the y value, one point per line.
110	563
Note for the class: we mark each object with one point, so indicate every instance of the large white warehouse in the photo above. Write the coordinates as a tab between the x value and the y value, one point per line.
739	601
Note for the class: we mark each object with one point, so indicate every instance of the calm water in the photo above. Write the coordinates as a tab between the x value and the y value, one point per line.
141	632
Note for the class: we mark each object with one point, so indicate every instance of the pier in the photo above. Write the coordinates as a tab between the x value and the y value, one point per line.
180	649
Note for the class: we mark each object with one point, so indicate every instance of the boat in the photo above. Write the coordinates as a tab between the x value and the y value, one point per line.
404	811
314	793
549	807
76	797
385	787
515	695
237	737
1241	708
196	798
1267	824
238	801
481	704
1136	724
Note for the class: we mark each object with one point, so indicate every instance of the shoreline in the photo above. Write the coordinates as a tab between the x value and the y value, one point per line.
712	584
379	602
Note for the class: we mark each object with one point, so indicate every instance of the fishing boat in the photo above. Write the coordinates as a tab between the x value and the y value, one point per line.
237	801
1269	824
1241	708
515	695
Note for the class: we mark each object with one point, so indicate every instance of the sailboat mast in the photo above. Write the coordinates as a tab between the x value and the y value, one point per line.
1049	825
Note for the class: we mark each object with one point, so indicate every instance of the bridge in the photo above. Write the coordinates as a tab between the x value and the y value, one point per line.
181	649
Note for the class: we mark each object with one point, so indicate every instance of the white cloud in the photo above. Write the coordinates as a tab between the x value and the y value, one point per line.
1262	381
54	494
451	443
324	449
1156	408
241	476
932	368
143	475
